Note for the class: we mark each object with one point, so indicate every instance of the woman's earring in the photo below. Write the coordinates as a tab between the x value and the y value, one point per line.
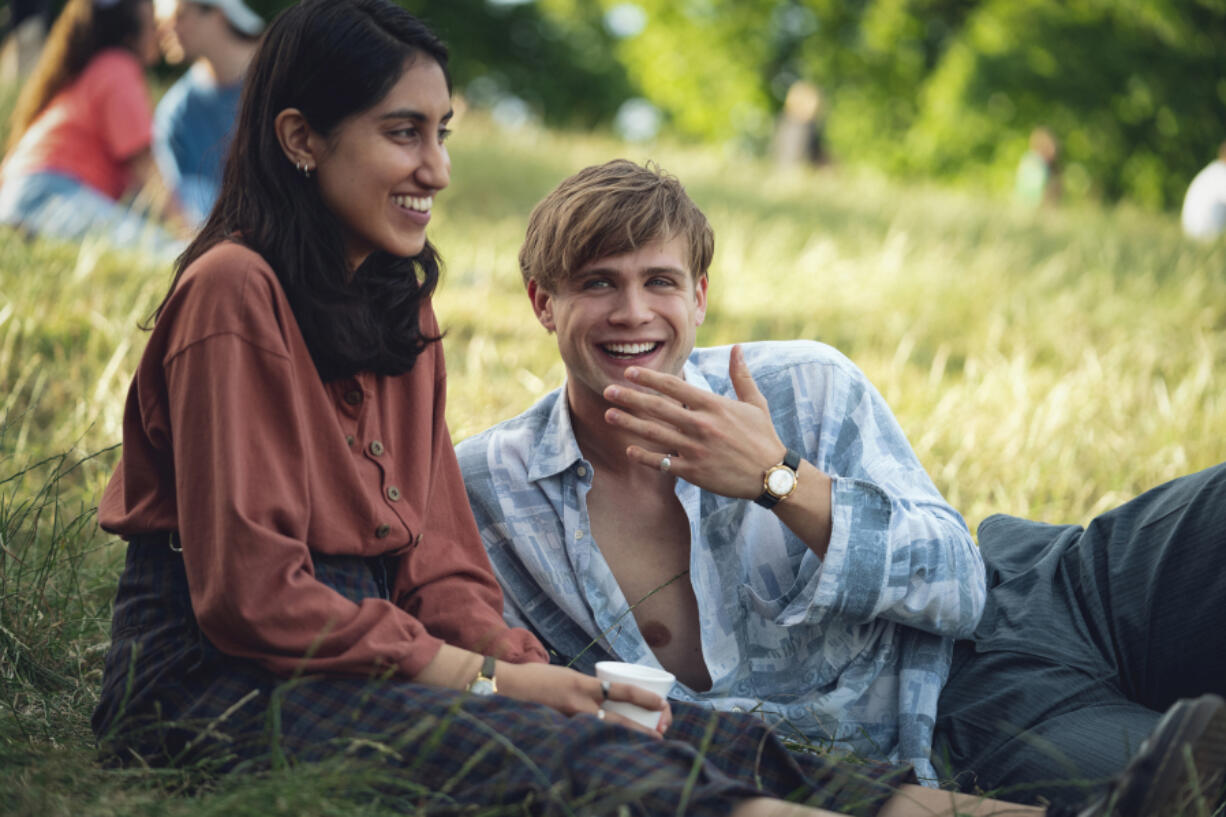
303	168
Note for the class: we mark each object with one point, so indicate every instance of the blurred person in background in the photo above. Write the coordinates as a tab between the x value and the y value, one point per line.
28	21
1204	205
82	128
194	121
1038	173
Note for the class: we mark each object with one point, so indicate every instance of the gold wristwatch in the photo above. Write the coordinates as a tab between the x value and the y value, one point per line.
484	683
779	481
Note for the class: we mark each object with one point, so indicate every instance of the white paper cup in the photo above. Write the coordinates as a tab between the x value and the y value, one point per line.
648	678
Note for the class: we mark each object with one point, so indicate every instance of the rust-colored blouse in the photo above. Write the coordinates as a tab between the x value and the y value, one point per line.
231	439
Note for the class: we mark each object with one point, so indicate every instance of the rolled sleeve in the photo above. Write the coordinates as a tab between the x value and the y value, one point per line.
897	550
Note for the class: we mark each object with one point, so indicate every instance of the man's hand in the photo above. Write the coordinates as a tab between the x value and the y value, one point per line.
717	443
573	693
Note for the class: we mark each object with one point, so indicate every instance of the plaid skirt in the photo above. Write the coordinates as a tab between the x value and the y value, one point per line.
170	697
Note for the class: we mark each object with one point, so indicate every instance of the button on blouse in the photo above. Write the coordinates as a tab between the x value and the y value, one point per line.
231	439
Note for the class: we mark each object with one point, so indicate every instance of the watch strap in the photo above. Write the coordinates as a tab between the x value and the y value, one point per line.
791	461
486	673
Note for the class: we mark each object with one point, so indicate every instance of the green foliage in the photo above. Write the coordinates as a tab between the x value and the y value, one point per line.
561	62
1134	92
701	61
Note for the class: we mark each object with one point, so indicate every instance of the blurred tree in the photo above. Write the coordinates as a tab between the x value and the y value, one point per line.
702	62
560	62
1134	89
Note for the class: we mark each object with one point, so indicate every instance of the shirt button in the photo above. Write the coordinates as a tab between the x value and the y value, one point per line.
348	439
393	493
382	531
417	539
353	397
581	471
578	534
376	448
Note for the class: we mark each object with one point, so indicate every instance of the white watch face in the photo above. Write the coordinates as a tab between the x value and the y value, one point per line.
482	686
780	481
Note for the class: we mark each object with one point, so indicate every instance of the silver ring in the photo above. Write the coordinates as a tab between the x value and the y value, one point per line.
604	690
599	714
665	463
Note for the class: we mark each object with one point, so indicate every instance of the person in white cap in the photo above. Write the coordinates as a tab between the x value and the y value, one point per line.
195	119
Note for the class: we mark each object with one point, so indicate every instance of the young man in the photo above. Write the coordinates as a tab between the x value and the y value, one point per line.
753	520
195	119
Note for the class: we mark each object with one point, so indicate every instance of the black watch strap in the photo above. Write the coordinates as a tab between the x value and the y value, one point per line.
791	461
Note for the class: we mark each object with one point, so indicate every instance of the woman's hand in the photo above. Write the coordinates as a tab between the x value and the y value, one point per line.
573	693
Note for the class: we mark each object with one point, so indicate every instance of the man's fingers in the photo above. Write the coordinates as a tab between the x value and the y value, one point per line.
742	380
659	431
668	385
654	459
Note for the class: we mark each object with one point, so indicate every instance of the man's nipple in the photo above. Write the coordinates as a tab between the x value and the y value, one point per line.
656	634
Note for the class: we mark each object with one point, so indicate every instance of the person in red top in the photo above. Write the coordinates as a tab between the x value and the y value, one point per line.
81	131
304	576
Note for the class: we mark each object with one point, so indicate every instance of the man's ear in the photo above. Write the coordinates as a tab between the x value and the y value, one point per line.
542	304
700	297
300	144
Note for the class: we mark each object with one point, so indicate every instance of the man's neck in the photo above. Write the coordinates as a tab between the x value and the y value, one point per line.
227	61
602	444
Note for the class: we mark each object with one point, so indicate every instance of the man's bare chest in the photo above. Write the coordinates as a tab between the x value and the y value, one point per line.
645	541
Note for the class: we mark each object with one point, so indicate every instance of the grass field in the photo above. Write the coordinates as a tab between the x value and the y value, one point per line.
1047	365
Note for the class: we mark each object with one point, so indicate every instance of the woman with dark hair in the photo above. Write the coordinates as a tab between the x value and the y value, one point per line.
81	132
304	576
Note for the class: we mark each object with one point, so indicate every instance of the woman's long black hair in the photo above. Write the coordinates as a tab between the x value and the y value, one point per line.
330	59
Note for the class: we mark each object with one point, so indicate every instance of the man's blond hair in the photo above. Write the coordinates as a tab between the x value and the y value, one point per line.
610	209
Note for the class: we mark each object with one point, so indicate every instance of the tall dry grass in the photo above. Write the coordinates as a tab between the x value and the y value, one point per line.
1047	365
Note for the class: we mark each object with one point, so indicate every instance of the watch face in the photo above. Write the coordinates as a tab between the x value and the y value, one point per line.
780	481
482	686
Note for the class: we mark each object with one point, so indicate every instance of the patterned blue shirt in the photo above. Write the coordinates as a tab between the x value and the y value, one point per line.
849	652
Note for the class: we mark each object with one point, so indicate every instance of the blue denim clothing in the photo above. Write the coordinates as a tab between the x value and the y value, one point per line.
850	651
192	128
56	205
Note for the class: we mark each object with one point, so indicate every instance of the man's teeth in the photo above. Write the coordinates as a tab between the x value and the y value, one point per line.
422	204
629	349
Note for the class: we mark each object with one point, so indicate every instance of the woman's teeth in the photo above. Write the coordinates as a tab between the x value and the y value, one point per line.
421	204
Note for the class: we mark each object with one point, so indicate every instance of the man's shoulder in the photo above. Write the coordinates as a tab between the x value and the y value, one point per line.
508	442
771	358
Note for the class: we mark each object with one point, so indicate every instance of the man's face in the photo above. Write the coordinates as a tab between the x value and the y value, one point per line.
640	308
187	28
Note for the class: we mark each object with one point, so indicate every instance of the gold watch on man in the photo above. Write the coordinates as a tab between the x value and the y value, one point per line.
484	683
779	481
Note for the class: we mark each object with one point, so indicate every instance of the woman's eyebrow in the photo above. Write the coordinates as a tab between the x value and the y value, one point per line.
415	116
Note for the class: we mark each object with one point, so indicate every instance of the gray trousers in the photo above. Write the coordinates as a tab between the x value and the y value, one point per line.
1088	636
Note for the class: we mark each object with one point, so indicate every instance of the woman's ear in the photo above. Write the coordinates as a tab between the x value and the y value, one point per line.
298	141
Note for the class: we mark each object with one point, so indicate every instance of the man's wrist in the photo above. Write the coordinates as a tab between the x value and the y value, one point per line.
780	481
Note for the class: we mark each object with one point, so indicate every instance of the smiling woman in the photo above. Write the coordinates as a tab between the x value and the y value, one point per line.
379	171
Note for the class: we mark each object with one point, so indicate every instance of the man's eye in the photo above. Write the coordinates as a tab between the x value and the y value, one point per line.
595	283
443	134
